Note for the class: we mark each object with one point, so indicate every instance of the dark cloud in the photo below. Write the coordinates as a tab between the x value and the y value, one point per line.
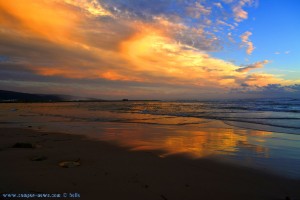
268	91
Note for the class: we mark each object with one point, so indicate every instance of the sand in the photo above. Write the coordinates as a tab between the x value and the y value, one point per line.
109	172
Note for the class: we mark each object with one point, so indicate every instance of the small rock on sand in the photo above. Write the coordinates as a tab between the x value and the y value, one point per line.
23	145
69	164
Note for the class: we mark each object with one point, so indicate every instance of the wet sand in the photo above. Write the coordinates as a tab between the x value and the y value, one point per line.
112	173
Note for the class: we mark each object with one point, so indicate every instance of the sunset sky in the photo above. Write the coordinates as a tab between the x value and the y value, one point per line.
151	49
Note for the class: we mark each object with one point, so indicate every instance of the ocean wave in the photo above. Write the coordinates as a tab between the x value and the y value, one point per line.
282	113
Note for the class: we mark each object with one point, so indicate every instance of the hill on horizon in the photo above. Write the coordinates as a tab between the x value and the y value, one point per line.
11	96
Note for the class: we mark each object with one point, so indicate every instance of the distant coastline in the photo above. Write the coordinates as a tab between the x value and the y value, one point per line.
20	97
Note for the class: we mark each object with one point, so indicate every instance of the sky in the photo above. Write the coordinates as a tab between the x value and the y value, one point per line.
158	49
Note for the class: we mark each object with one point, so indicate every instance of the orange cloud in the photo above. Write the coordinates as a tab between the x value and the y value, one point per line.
150	56
245	39
160	56
93	7
253	66
59	71
49	19
263	79
113	75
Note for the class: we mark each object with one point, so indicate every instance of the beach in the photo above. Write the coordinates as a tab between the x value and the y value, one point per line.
134	150
110	172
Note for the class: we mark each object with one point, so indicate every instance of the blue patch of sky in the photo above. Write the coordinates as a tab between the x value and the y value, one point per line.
275	28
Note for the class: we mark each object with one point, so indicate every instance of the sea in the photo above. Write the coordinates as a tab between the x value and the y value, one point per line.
256	133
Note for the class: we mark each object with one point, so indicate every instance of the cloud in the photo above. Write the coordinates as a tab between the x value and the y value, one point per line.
225	24
239	13
218	4
113	48
263	79
196	10
246	42
286	52
41	19
269	91
253	66
92	7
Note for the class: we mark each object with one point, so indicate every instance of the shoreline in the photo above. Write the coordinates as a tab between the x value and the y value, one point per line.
110	172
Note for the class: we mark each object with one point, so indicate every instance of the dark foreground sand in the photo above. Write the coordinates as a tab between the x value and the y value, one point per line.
112	173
